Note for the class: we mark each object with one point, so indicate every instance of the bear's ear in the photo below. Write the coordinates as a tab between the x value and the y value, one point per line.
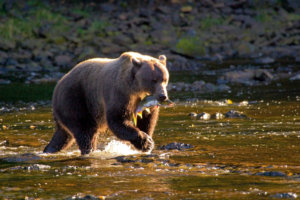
136	66
163	59
136	62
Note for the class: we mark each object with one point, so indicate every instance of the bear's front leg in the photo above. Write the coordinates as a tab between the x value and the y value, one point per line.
122	127
148	121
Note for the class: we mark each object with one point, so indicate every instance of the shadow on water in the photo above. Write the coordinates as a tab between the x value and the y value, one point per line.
257	157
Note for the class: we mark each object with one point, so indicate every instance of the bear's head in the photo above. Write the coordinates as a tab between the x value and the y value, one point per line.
151	75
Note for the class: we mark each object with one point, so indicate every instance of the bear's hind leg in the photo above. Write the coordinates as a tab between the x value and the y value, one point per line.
61	140
85	139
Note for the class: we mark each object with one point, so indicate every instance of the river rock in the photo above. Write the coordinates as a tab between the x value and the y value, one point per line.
218	116
4	142
178	87
122	40
48	78
265	60
271	173
247	77
112	49
62	60
11	61
37	167
87	197
203	116
192	115
263	76
176	145
289	195
27	157
7	45
235	114
197	86
295	77
4	82
125	159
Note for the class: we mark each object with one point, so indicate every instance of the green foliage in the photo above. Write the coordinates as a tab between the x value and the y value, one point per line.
293	16
2	11
43	14
19	25
192	46
98	26
16	27
148	42
81	32
82	12
208	22
264	16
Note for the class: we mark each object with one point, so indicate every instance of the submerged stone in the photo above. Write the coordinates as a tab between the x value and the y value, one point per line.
27	157
87	197
218	116
235	114
271	173
4	142
37	167
266	60
289	195
4	82
295	78
203	116
192	115
124	159
176	145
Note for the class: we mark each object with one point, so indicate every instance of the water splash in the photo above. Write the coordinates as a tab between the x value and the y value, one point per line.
112	149
119	148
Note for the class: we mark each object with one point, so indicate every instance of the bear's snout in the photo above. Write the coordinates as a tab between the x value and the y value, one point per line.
161	93
162	97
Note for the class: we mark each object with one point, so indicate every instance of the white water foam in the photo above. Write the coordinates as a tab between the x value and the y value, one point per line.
120	148
116	148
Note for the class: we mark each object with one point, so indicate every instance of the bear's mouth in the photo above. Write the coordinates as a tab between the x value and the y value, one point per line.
167	103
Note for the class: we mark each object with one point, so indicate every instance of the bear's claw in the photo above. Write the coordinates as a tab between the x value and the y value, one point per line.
148	145
144	143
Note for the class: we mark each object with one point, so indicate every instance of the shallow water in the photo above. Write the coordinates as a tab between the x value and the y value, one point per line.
257	157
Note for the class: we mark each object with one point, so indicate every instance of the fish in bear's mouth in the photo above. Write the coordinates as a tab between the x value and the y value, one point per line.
146	104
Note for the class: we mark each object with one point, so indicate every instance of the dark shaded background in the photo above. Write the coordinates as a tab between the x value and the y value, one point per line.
41	37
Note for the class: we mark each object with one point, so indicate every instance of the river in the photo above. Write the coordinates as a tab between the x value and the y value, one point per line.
253	157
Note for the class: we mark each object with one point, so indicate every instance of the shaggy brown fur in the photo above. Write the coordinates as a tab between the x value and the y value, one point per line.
104	93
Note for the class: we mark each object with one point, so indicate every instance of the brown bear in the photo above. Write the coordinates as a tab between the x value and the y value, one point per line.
103	93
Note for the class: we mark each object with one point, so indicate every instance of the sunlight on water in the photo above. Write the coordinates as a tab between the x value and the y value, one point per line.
63	153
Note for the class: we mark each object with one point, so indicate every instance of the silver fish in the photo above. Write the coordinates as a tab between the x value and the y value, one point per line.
151	101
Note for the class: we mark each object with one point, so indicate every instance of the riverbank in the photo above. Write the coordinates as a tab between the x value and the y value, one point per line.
40	39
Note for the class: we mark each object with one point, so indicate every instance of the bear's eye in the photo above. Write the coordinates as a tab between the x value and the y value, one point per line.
154	80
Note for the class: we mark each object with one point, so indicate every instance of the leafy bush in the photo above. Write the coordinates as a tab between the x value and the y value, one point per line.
191	46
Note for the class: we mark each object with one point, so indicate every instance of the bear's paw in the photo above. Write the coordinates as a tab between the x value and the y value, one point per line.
144	142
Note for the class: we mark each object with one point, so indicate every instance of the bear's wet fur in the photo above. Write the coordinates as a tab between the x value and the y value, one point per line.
100	94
